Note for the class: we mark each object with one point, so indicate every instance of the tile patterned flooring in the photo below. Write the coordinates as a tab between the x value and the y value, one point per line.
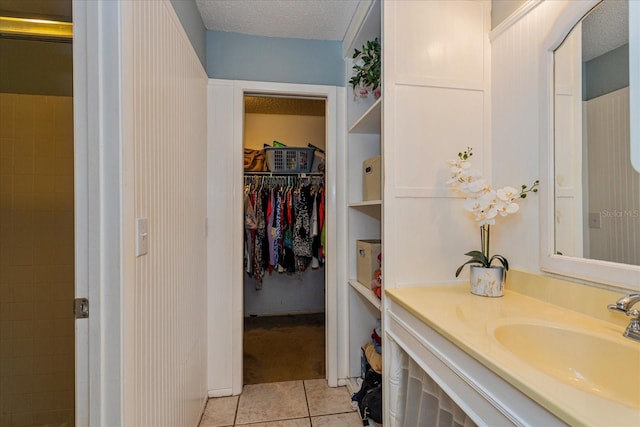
309	403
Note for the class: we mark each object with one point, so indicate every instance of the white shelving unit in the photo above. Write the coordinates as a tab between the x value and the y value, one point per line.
364	218
366	292
369	122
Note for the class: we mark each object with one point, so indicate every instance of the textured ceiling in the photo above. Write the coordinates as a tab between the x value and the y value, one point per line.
605	28
279	105
301	19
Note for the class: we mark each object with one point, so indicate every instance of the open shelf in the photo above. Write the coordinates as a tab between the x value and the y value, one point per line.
366	203
370	121
371	208
366	292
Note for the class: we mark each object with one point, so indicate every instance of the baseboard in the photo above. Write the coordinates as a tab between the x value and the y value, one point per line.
222	392
204	406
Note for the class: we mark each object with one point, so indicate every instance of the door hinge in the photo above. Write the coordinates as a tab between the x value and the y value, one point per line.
81	308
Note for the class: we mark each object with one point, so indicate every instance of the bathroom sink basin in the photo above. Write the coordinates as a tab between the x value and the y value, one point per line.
597	363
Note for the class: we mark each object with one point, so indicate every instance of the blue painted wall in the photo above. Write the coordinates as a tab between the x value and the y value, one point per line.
191	20
237	56
606	73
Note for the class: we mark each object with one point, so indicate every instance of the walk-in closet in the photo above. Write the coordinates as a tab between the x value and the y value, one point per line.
284	238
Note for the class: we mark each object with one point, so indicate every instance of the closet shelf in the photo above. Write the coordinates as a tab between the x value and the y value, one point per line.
370	121
366	292
367	203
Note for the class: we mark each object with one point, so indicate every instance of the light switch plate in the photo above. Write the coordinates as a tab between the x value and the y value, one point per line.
142	236
595	220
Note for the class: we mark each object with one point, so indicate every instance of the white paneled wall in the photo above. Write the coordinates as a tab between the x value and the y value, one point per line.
165	181
607	133
418	400
436	103
515	126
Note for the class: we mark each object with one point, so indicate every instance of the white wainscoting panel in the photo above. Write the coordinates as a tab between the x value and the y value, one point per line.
438	43
164	147
449	120
436	104
607	130
515	97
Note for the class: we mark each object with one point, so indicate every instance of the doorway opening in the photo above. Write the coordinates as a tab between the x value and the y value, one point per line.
284	285
37	326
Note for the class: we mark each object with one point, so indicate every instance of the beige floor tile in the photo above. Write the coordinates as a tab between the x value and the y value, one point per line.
298	422
324	400
220	412
272	402
337	420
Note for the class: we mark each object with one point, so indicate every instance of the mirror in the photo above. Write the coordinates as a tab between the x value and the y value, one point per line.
597	189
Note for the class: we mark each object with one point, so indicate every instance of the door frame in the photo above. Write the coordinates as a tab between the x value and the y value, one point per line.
232	153
98	205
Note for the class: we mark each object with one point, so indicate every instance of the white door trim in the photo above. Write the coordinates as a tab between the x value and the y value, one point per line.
81	201
97	145
335	135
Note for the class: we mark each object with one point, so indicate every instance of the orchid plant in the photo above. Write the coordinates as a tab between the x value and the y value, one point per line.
485	204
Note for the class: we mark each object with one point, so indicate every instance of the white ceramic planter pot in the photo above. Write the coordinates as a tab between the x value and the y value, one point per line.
487	282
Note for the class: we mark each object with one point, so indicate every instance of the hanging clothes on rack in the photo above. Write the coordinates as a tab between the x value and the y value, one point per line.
284	220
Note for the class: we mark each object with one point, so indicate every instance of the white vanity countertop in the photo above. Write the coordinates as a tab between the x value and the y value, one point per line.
467	320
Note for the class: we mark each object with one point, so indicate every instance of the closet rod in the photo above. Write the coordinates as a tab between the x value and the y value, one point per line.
299	175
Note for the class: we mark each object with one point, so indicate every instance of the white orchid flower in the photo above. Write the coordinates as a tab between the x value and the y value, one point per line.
477	185
506	208
508	193
457	170
472	205
486	218
487	198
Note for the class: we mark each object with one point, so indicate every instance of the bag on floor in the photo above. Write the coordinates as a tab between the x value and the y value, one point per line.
371	405
372	381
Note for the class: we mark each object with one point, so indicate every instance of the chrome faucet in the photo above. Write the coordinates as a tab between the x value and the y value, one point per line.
625	305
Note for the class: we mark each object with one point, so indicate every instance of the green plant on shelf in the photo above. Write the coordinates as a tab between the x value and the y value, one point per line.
366	67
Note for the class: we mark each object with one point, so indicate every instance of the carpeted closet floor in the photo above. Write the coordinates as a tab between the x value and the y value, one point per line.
284	348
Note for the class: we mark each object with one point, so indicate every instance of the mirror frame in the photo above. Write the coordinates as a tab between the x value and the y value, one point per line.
634	81
606	273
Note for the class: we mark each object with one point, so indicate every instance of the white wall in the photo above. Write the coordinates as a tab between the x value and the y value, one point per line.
224	241
618	239
436	103
516	55
164	180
